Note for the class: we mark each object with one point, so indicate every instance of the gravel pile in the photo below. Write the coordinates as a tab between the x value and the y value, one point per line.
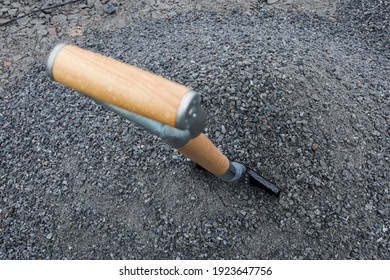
302	99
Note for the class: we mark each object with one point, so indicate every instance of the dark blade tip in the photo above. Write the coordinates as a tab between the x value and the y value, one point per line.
257	180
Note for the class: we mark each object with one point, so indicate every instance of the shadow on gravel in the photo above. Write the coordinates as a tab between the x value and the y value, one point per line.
300	99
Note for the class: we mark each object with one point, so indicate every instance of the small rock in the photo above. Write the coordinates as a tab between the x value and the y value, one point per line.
3	21
17	57
37	21
52	31
42	31
4	76
6	64
359	84
61	20
272	1
315	147
49	236
156	14
90	3
75	31
12	12
315	97
109	9
386	197
16	4
98	6
369	207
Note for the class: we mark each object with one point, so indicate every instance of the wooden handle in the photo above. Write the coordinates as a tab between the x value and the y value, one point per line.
203	151
117	83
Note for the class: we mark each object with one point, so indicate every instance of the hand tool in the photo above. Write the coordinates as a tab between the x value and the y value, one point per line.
161	106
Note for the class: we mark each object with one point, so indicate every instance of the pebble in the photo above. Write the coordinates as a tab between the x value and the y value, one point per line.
60	20
6	64
90	3
109	9
315	147
52	31
37	21
98	6
12	12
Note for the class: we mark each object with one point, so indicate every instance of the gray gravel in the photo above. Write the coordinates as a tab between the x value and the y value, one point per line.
301	98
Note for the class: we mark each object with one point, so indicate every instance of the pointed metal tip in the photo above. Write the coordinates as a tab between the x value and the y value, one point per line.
257	180
252	178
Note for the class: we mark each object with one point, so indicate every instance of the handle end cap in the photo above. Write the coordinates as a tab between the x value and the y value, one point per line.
52	57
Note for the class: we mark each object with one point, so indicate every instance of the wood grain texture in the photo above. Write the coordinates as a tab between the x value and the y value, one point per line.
206	154
118	83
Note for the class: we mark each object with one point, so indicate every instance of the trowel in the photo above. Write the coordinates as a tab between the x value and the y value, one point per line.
163	107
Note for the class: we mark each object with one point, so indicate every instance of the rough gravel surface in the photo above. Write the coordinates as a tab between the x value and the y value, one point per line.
300	97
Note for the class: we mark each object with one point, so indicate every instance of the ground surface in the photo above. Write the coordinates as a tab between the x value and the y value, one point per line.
298	90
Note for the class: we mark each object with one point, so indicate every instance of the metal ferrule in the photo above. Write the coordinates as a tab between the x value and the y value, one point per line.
190	115
174	137
234	173
51	59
